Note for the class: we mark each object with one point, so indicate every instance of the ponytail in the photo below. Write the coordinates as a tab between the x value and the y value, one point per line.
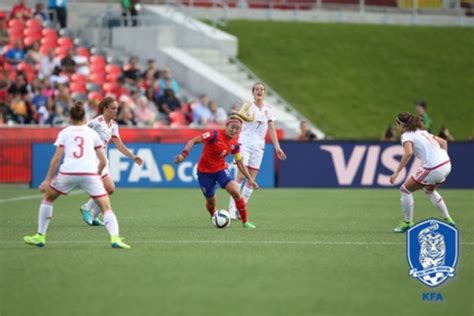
410	122
77	112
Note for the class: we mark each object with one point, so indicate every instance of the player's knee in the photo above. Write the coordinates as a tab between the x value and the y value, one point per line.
428	191
404	190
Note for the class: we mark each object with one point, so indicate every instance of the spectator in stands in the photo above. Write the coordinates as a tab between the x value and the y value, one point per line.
48	64
201	111
60	6
39	99
3	90
68	63
21	109
58	118
2	119
40	13
16	54
445	134
44	112
126	117
306	134
420	107
82	63
63	99
151	70
132	71
168	102
390	134
167	81
218	114
143	113
92	109
234	108
57	77
4	36
33	56
20	11
19	87
130	7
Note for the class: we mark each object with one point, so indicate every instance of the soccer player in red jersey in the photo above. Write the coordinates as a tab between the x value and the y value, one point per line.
212	167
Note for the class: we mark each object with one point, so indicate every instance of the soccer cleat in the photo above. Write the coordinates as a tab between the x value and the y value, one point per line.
97	222
37	240
117	242
86	215
403	227
249	225
234	215
449	221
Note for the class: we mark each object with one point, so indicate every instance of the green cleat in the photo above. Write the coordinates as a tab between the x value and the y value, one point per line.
449	221
97	222
117	242
249	225
86	215
37	240
403	227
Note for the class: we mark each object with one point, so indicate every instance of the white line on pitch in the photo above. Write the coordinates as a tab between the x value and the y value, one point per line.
31	197
263	242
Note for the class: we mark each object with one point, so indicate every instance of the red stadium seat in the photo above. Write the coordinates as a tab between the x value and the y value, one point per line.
109	86
49	41
113	77
78	87
28	41
97	78
177	118
33	23
32	32
113	69
95	96
97	69
49	32
79	78
97	60
15	32
65	42
83	51
16	24
61	52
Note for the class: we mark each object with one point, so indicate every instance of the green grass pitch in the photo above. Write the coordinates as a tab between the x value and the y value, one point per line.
315	252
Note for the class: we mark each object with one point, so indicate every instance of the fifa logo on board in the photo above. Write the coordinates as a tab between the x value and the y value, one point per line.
432	250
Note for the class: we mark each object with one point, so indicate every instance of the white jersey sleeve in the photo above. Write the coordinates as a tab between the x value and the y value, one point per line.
115	130
270	114
60	139
407	137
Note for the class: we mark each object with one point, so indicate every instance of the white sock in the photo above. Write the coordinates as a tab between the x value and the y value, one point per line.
407	203
111	223
247	192
90	204
95	211
232	207
438	202
44	217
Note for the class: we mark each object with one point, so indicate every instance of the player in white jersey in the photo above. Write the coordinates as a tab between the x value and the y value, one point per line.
81	147
252	140
436	166
108	131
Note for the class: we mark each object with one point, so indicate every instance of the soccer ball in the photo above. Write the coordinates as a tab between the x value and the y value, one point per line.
221	219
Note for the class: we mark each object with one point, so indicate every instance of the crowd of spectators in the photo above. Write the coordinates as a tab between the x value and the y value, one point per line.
43	70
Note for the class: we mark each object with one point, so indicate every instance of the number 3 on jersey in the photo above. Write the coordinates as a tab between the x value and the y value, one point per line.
80	143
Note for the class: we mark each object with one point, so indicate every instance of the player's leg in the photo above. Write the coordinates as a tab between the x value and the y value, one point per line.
408	202
60	185
253	166
94	186
233	189
207	182
239	179
434	180
90	211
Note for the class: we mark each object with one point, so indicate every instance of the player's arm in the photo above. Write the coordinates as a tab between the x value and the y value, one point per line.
189	145
273	135
102	159
53	166
244	170
442	143
408	147
124	150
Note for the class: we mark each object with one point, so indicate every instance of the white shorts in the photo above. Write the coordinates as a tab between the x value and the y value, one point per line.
92	184
432	176
252	156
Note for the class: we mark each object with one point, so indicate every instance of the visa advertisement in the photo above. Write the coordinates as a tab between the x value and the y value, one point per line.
158	168
357	164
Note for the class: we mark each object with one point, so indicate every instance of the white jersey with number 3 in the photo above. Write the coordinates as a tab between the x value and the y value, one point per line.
253	133
80	144
426	148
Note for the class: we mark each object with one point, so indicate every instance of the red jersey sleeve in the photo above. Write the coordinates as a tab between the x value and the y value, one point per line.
209	136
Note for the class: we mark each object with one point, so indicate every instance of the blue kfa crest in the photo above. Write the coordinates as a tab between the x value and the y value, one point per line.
432	250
